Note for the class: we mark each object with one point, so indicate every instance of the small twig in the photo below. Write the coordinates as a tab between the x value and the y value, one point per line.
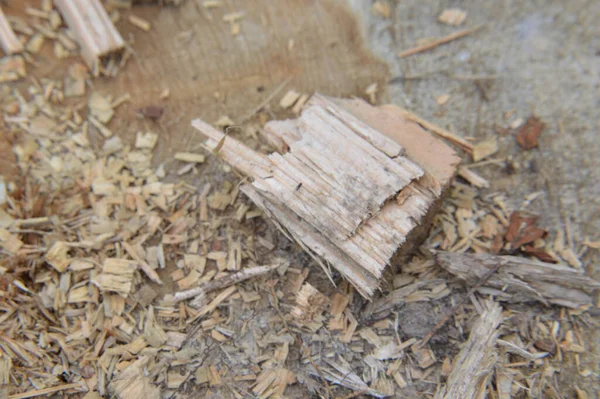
32	221
45	391
438	42
462	143
474	77
266	100
494	161
417	76
464	299
220	283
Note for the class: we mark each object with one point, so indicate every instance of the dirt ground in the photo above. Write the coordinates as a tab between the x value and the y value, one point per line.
531	57
544	57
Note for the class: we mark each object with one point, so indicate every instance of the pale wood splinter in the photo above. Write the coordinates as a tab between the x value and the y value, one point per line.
8	40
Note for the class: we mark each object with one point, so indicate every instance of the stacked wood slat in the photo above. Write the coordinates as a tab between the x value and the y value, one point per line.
346	191
93	29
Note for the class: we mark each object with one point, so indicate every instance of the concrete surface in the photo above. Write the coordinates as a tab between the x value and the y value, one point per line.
545	56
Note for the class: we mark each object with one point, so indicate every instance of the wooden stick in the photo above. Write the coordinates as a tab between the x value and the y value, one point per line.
522	280
93	29
462	143
438	42
441	323
8	40
474	364
383	307
45	391
220	283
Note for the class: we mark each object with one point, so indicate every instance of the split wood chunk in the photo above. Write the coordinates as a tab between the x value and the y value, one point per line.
116	276
474	364
57	256
8	40
134	383
351	183
309	303
93	30
523	280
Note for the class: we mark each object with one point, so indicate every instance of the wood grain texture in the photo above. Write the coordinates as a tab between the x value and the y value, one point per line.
8	40
523	280
340	188
95	33
474	364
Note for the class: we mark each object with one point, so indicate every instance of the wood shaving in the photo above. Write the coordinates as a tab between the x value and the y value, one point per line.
453	16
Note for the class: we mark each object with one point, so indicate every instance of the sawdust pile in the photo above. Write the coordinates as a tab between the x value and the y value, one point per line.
96	243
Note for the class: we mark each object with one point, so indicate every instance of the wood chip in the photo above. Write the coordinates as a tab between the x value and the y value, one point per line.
57	256
189	157
485	149
116	276
8	40
442	99
472	177
12	69
132	382
289	99
139	22
453	16
382	8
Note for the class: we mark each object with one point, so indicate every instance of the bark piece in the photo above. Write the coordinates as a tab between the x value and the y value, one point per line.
8	40
523	280
475	363
94	31
345	185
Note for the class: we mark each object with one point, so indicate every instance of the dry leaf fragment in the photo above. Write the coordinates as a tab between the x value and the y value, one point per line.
528	135
522	230
539	254
152	112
